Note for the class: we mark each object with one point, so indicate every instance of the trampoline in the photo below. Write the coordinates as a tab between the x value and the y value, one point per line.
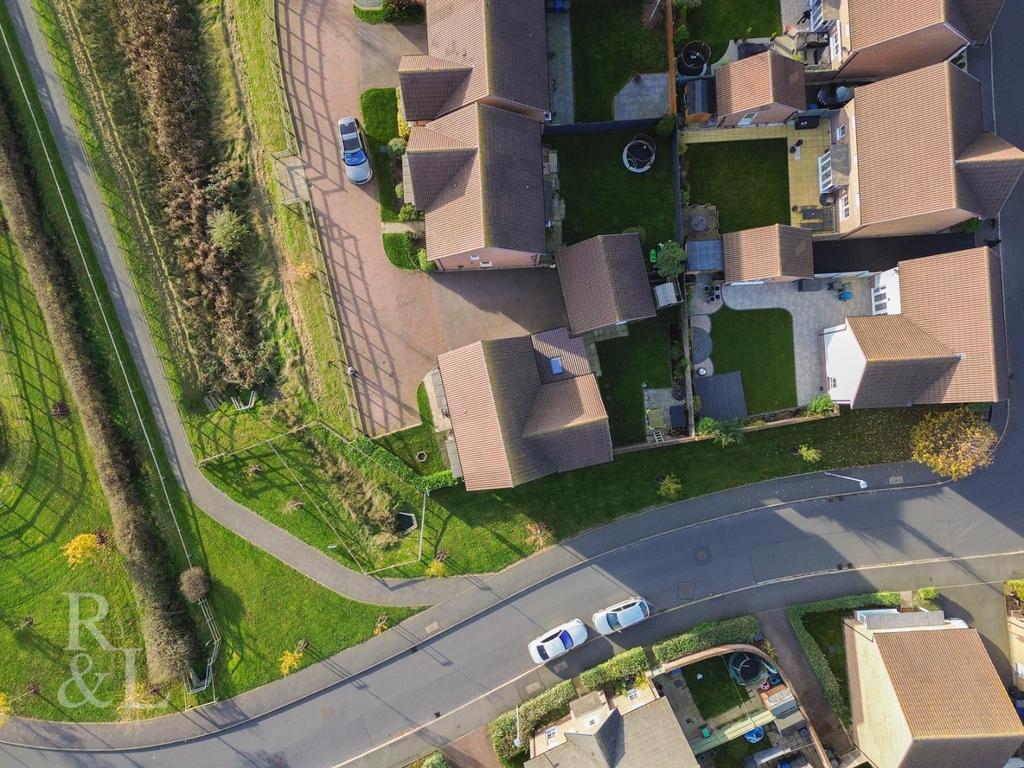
638	155
747	669
754	736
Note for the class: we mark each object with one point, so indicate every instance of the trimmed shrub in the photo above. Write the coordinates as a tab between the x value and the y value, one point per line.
436	760
426	265
550	705
821	405
396	148
816	657
194	584
408	212
366	450
627	665
400	190
742	629
665	127
1014	588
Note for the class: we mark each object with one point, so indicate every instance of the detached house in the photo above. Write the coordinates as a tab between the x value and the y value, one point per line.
937	336
881	38
524	407
924	693
488	51
909	156
477	174
759	90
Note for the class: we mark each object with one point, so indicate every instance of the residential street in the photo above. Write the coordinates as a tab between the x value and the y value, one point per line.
766	550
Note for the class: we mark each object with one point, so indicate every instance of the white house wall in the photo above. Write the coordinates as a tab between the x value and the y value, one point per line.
844	363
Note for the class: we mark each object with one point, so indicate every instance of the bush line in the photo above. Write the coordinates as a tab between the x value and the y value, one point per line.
742	629
622	666
816	657
167	627
550	705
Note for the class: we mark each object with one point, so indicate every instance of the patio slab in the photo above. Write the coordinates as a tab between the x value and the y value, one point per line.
812	312
560	93
644	96
381	47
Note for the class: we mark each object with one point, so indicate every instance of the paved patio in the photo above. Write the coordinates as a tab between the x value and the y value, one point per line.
560	90
812	312
644	96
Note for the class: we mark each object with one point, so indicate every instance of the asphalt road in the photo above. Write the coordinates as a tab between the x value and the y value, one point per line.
962	534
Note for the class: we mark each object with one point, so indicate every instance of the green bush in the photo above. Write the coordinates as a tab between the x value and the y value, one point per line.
821	405
708	426
671	259
426	265
670	487
400	247
742	629
620	667
809	454
816	657
1014	588
665	127
408	212
366	450
400	191
393	12
436	760
227	230
638	230
728	433
396	148
680	37
550	705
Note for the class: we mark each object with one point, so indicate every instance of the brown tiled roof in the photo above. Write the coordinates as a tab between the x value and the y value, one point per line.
510	427
604	282
569	350
957	299
946	684
769	252
902	360
477	174
991	168
759	81
492	48
876	21
910	131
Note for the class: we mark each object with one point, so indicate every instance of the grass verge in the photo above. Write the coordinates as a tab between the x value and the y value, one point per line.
401	250
408	443
758	343
380	123
601	196
629	364
747	180
609	46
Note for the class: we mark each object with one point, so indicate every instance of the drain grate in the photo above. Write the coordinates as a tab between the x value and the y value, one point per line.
686	591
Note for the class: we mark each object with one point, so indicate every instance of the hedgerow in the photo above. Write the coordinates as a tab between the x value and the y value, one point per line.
550	705
168	632
816	657
629	664
742	629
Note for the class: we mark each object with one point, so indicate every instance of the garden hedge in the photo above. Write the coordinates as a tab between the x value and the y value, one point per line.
742	629
816	657
370	452
550	705
620	667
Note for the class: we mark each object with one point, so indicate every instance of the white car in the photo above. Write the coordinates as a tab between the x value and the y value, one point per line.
616	618
353	151
558	641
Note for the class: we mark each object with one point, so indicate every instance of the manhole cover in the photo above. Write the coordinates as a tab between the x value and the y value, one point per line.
702	555
896	480
560	666
686	591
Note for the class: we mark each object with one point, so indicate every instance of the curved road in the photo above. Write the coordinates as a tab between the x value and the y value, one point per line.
458	664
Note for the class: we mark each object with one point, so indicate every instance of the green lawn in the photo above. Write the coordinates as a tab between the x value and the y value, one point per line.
718	22
596	495
715	693
601	196
262	606
407	443
732	753
627	364
401	250
380	123
609	46
758	342
747	180
827	630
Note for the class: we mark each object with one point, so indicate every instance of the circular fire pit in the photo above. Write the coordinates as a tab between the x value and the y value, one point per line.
638	155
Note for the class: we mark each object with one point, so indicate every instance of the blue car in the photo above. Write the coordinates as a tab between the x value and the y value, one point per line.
353	151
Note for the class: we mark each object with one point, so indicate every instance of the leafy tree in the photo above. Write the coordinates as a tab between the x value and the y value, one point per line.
228	230
671	259
953	443
194	584
670	487
289	662
808	454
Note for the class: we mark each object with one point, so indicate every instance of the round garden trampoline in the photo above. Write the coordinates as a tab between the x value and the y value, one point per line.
638	155
746	668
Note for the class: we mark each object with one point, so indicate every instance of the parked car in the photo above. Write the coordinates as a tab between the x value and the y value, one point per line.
616	618
353	151
558	641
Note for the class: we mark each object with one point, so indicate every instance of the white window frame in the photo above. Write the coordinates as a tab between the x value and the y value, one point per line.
817	14
835	43
486	264
841	131
844	206
747	119
825	179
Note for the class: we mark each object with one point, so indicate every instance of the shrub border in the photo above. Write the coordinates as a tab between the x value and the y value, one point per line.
708	634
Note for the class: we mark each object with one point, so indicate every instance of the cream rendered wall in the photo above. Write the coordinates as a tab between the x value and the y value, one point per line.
879	729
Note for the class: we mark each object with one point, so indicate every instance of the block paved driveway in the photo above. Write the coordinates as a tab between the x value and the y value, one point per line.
394	322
